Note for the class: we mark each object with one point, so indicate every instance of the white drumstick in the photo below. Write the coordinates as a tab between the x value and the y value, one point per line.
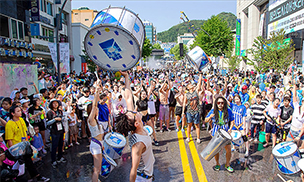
281	177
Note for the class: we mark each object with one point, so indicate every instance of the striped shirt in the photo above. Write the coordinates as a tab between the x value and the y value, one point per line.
265	102
215	124
257	110
239	112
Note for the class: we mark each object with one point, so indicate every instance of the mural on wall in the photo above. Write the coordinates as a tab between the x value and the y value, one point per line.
15	76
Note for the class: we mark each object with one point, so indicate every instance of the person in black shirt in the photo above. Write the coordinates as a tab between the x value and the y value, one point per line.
286	117
36	117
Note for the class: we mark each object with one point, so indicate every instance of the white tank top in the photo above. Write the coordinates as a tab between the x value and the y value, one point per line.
72	119
147	158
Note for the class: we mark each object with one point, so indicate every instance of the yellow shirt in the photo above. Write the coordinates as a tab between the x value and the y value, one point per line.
15	130
61	92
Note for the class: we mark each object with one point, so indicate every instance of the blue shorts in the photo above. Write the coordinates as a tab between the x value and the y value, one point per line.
240	129
270	128
193	118
294	134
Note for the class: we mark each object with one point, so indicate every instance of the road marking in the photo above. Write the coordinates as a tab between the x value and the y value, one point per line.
197	162
184	158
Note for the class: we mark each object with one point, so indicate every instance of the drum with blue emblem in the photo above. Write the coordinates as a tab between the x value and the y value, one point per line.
287	156
115	39
198	58
237	139
114	144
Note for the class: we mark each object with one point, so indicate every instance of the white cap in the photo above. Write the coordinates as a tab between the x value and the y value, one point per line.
22	101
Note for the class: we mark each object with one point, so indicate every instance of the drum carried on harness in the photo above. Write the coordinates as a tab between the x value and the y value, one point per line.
198	58
220	139
237	139
149	129
116	39
287	156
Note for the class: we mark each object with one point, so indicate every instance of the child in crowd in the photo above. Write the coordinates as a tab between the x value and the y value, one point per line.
286	117
37	142
72	118
257	117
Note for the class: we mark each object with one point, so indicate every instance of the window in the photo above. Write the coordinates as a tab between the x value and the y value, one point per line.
86	19
76	13
4	30
51	35
14	29
49	9
41	5
64	18
20	30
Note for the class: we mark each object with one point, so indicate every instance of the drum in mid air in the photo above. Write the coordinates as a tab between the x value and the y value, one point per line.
198	58
116	39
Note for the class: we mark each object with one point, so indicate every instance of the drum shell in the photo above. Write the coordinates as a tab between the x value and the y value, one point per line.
288	164
114	152
198	58
215	146
106	168
237	141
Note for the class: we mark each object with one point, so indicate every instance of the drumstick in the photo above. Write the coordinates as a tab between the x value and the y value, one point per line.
281	177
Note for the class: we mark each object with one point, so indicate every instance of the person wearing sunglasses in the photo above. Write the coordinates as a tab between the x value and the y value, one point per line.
221	117
139	140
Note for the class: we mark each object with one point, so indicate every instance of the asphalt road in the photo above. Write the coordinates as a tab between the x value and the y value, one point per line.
175	160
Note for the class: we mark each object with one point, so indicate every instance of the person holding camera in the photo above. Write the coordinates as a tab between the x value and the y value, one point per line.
55	119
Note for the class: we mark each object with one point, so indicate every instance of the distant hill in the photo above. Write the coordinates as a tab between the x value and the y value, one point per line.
171	34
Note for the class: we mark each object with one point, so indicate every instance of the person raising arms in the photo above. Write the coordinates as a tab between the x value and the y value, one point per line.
139	140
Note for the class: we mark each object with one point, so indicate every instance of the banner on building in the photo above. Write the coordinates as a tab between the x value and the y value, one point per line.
64	56
238	38
261	25
35	10
303	59
35	29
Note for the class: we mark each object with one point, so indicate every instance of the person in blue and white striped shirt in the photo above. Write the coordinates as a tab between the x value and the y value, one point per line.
221	117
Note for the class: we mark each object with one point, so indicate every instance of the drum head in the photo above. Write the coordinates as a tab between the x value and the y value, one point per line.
112	47
109	159
284	149
115	140
149	129
225	134
235	134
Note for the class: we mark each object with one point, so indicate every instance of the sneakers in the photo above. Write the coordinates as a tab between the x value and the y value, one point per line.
216	167
156	143
77	143
182	130
44	179
54	164
256	140
188	140
251	139
63	160
161	130
176	129
71	145
198	141
167	129
229	169
44	151
265	145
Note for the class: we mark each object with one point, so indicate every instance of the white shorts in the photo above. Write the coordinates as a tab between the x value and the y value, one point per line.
95	148
141	179
105	126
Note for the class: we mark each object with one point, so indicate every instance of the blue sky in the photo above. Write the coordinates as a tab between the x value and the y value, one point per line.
164	14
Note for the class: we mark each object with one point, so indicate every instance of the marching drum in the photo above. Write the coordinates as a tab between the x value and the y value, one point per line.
301	164
237	139
116	39
198	58
149	129
287	156
114	144
220	139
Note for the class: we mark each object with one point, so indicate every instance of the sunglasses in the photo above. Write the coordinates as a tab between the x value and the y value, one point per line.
220	103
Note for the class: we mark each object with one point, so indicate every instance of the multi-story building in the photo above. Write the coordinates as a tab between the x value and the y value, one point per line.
43	27
84	16
15	40
187	39
150	31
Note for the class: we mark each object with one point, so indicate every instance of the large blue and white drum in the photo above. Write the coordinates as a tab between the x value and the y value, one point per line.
114	144
198	58
237	139
287	156
116	39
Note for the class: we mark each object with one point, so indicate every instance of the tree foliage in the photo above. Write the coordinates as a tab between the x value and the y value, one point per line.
156	46
171	34
147	49
274	53
175	51
215	37
232	61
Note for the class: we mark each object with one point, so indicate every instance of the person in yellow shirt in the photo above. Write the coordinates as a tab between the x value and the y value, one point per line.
15	128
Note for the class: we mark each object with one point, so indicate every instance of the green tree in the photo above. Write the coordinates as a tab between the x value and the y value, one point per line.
147	48
175	51
257	51
215	37
91	65
232	61
156	46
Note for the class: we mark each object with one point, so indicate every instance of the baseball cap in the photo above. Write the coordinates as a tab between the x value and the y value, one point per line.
86	89
22	101
244	87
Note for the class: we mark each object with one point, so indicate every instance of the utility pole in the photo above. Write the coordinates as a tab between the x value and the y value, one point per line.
58	18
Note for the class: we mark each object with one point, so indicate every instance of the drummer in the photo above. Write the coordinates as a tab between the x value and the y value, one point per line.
139	140
221	117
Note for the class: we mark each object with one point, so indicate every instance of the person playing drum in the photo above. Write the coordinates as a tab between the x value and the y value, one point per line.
139	140
221	117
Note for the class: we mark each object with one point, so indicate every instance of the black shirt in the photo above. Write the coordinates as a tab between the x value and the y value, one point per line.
57	127
142	105
32	110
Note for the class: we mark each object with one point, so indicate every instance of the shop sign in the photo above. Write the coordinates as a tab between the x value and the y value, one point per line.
15	43
45	20
35	10
15	53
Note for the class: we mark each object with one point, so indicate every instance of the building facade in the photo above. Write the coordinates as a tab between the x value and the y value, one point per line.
43	30
150	31
15	39
83	15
